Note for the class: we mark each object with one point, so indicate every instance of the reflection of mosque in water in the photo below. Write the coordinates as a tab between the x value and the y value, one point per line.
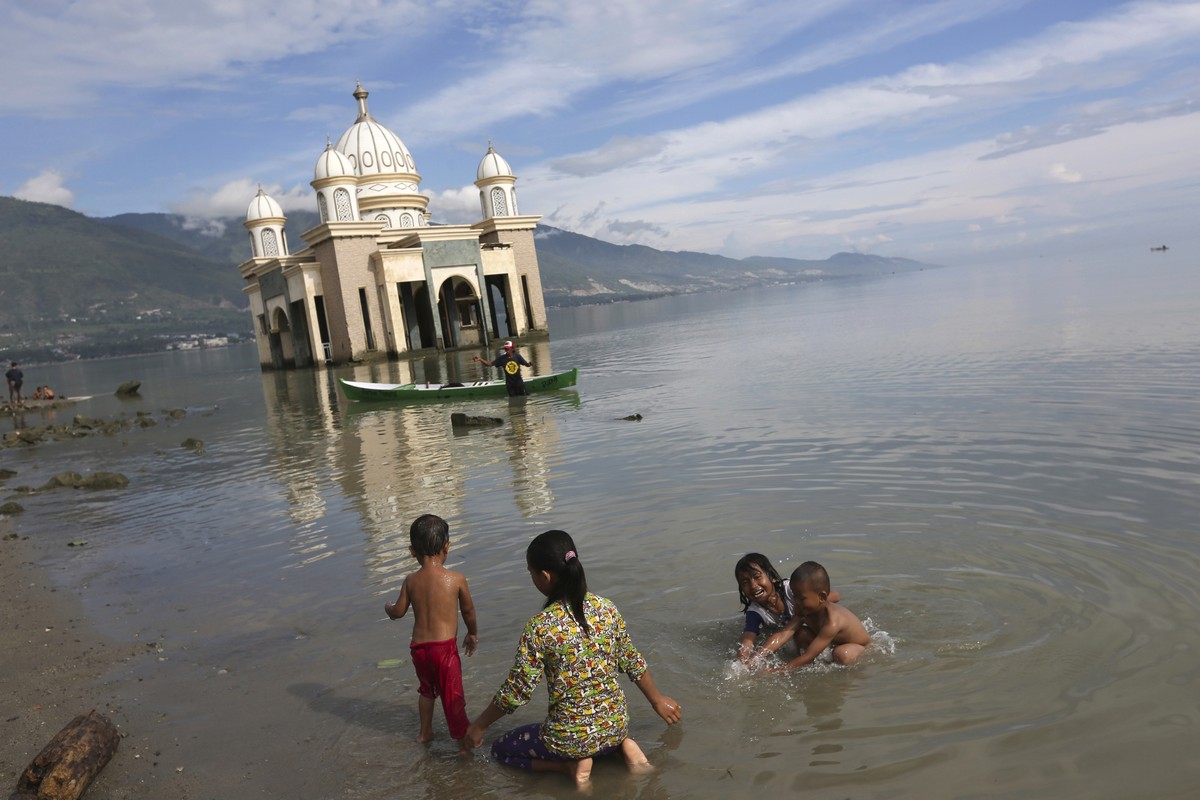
390	463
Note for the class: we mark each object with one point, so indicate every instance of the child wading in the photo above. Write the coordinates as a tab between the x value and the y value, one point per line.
436	595
579	642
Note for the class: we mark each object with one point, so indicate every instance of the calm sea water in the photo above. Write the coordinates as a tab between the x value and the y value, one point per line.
1000	469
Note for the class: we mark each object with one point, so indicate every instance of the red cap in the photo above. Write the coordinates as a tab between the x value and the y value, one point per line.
508	344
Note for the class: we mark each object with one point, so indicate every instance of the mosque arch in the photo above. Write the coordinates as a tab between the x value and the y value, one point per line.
283	346
460	312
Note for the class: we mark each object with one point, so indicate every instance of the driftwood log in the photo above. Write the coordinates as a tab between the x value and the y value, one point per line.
67	765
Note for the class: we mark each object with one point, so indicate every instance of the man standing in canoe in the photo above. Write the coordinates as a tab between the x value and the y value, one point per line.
510	362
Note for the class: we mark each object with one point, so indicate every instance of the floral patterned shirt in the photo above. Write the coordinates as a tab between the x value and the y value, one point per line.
587	707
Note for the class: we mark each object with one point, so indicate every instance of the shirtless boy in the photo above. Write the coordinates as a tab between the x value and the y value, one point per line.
818	622
436	595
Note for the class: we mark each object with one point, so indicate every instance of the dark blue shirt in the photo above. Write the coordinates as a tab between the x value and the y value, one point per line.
510	365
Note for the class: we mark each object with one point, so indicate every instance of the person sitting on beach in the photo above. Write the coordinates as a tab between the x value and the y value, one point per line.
579	642
437	595
818	623
766	599
47	393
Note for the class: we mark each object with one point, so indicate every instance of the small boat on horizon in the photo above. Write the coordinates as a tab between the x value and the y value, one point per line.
1160	249
360	391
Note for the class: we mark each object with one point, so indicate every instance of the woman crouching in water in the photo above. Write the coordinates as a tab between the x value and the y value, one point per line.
579	642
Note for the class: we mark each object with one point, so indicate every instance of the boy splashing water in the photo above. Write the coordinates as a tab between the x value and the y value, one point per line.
766	599
818	623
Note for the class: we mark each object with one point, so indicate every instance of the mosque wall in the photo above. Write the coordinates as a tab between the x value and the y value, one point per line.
529	277
345	273
271	284
527	266
444	254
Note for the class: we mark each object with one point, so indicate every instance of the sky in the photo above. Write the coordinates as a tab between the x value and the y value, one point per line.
950	131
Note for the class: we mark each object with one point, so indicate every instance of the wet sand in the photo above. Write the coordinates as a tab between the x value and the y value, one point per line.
56	667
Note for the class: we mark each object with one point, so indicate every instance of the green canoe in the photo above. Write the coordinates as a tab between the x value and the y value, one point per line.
357	390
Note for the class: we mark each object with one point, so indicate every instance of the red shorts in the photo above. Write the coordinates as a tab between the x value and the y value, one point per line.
440	672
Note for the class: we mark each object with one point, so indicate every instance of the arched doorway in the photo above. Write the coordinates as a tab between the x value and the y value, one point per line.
459	310
283	349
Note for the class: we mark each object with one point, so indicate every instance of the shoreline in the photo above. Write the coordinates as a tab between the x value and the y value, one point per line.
57	666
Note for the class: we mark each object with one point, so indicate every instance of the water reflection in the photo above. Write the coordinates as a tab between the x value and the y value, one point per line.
391	462
301	424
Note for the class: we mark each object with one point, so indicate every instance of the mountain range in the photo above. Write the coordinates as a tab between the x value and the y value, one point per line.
66	274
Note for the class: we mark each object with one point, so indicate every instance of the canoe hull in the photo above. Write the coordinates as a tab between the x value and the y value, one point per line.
358	391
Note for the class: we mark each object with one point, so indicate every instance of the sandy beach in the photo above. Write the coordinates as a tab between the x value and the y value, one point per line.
56	667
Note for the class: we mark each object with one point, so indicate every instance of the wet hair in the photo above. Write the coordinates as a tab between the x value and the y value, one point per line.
429	534
742	567
812	574
554	552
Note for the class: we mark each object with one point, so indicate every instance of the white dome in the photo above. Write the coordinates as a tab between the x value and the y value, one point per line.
332	164
372	148
493	166
263	207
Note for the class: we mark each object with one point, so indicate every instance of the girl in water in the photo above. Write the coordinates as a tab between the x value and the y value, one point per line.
766	599
579	642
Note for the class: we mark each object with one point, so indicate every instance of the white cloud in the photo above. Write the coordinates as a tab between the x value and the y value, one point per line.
233	198
679	180
455	206
1060	173
46	187
66	51
552	54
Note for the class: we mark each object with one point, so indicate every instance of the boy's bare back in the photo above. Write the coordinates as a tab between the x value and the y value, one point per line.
437	595
824	626
844	627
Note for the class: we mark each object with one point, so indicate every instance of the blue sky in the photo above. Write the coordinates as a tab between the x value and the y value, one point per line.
952	131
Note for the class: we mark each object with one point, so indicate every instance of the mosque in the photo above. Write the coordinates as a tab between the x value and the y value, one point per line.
376	279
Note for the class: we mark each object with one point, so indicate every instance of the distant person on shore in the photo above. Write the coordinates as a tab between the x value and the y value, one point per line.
579	643
818	623
767	599
15	378
510	362
437	596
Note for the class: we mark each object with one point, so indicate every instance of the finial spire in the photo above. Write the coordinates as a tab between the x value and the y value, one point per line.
360	94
